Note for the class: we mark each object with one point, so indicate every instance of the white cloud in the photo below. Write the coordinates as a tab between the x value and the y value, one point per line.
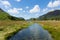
5	3
14	10
50	4
19	9
44	10
35	9
18	0
56	3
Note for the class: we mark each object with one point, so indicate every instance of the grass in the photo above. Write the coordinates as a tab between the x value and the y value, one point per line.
9	28
53	27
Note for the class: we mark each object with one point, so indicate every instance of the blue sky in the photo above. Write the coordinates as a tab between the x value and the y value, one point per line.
29	8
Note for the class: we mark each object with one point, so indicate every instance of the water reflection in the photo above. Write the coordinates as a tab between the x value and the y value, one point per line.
34	32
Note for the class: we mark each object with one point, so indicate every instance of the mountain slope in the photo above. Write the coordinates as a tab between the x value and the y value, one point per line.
53	15
3	15
6	16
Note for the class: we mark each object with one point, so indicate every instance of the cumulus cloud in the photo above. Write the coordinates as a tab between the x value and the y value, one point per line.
18	0
35	9
44	10
14	10
5	3
56	3
50	4
19	9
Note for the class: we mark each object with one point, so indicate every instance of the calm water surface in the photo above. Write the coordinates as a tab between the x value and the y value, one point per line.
33	32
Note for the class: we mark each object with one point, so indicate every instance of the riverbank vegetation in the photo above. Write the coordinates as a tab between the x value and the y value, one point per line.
9	28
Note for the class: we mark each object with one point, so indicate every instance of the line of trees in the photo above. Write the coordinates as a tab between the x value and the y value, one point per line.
16	18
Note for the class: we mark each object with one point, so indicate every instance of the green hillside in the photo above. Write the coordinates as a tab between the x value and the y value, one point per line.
3	15
6	16
53	15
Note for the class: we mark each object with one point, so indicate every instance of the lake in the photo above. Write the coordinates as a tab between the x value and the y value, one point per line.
33	32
